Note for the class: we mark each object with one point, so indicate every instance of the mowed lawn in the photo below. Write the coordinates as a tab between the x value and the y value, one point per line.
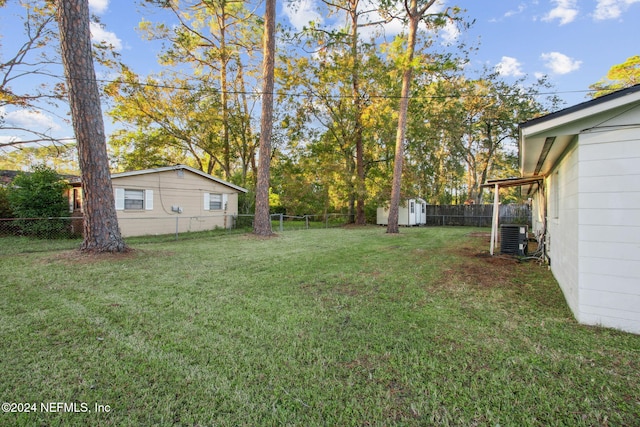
337	327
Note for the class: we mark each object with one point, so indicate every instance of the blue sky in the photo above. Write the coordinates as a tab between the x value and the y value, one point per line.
574	42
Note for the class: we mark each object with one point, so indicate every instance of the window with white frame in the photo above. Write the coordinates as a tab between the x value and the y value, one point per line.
215	201
133	199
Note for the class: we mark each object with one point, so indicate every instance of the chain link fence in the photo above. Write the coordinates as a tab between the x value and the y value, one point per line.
42	228
175	227
182	227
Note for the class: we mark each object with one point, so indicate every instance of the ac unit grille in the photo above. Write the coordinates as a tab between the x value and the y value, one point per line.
513	239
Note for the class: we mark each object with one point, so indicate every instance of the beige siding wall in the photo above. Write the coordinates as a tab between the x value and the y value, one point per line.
175	188
609	222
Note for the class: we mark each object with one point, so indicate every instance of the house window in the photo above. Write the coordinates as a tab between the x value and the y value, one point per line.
412	207
215	202
133	199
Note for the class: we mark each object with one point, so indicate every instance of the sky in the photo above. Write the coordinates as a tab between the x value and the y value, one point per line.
573	42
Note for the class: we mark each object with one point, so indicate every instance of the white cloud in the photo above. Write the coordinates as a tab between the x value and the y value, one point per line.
99	34
565	11
98	6
301	13
611	9
560	63
509	66
33	120
521	8
450	32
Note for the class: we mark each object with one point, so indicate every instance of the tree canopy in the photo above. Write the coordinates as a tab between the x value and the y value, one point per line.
620	76
341	119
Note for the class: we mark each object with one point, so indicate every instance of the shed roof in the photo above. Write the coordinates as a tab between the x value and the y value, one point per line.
545	139
178	167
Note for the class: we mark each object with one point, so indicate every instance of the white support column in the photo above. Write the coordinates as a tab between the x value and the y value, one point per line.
494	223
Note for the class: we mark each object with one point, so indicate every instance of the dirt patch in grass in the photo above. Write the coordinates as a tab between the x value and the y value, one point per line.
253	236
481	234
76	257
474	266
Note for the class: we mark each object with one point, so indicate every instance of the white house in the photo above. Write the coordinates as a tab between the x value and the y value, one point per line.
410	212
587	204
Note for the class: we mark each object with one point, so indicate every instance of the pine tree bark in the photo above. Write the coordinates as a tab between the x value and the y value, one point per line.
358	127
262	223
414	14
392	225
101	232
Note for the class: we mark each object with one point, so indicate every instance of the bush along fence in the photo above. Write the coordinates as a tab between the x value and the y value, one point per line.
477	215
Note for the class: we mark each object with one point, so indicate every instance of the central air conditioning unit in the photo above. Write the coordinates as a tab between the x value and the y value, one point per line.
513	239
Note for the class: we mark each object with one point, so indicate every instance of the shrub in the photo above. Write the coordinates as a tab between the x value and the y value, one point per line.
40	194
5	206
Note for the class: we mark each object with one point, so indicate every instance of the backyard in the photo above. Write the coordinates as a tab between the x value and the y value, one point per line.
319	327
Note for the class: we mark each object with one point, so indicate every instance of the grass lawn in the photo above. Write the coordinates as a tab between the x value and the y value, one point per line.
331	327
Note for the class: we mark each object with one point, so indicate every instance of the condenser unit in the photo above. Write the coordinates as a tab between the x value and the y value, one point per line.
513	239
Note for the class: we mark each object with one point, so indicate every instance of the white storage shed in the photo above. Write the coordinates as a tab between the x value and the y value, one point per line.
411	212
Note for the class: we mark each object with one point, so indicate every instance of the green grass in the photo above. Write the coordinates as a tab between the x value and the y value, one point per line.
344	327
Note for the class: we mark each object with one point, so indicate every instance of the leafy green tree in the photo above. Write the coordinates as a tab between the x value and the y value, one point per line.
39	195
61	157
330	114
217	41
620	76
489	111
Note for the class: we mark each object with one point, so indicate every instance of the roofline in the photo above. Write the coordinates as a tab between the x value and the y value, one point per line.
512	182
578	107
178	167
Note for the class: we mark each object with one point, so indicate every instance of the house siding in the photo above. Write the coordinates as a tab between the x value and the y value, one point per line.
179	188
562	189
609	221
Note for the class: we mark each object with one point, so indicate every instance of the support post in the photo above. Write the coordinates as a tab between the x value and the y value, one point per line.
494	222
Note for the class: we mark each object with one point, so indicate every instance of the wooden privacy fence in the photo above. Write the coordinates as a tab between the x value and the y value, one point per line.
477	215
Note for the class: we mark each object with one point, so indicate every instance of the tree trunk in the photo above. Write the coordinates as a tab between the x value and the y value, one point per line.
358	128
392	226
224	60
262	223
101	232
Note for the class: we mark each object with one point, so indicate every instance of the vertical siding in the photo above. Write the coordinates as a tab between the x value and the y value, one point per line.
562	188
609	221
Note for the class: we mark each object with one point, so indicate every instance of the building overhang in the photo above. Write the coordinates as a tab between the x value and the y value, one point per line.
544	141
